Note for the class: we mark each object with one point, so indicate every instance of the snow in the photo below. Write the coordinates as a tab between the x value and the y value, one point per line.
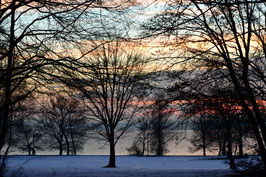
93	166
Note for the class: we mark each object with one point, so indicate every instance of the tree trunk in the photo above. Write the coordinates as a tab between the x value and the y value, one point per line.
60	149
220	148
148	142
4	112
160	138
74	149
240	144
255	120
159	150
257	134
224	147
204	148
204	137
111	163
143	144
229	150
29	149
257	114
67	143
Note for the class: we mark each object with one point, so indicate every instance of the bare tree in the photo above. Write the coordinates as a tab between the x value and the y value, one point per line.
64	124
108	86
163	126
23	124
202	129
228	34
157	127
31	32
27	136
142	141
37	44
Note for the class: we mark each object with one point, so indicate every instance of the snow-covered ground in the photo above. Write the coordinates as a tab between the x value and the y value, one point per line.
127	166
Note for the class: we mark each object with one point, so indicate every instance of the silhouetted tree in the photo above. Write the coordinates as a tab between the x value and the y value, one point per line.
29	47
156	128
162	127
203	127
229	34
141	142
109	89
63	123
27	136
225	103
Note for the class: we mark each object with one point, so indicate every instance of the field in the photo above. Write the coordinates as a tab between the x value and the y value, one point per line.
127	166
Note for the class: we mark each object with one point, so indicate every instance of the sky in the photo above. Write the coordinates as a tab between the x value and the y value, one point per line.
124	21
